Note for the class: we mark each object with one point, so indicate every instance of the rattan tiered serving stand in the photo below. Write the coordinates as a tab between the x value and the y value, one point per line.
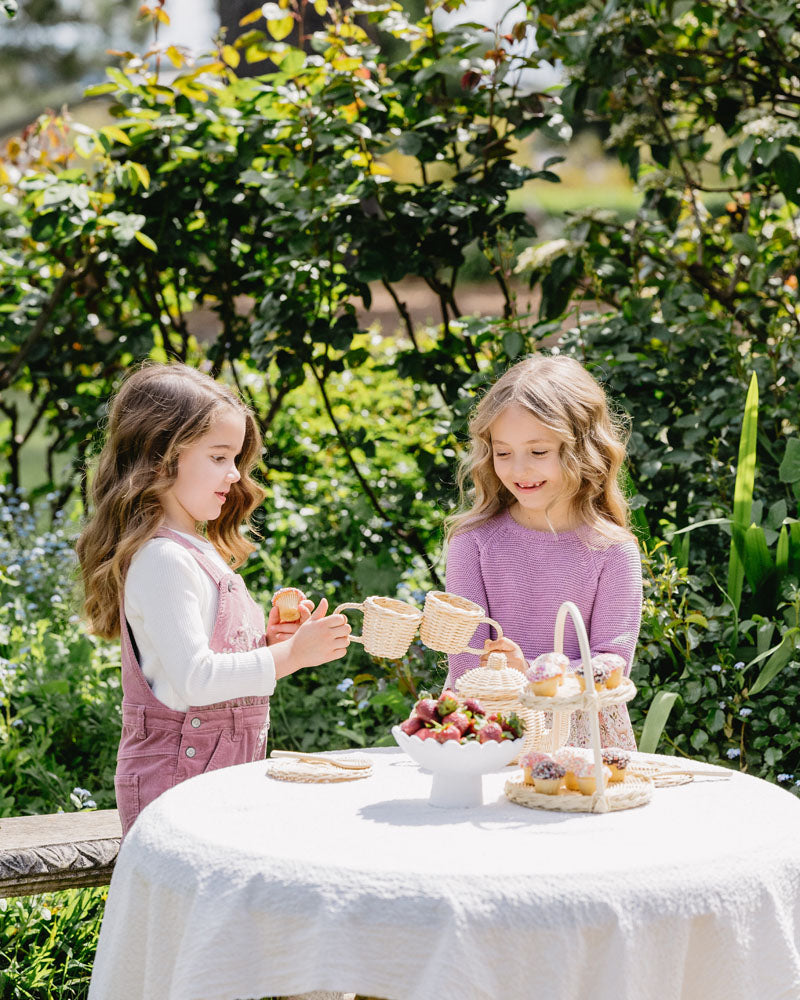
635	790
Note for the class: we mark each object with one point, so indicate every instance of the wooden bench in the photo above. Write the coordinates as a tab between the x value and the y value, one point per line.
57	851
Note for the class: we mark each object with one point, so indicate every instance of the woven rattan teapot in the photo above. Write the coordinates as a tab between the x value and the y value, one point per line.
498	688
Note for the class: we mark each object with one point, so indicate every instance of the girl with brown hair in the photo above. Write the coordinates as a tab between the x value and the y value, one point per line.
171	492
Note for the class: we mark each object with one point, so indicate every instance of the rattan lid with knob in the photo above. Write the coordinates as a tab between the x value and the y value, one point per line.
494	682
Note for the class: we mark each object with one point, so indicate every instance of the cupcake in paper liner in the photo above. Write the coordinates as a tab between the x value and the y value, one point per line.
287	601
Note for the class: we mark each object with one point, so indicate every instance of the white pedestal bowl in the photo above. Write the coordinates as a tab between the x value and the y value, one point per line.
457	768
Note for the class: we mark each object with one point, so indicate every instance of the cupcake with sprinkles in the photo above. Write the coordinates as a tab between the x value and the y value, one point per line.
547	777
571	759
599	672
617	761
557	660
612	665
586	777
529	760
544	675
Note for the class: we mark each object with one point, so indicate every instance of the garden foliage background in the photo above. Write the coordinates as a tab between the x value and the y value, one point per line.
277	203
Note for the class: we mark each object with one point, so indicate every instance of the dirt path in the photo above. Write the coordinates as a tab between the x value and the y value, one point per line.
420	302
423	305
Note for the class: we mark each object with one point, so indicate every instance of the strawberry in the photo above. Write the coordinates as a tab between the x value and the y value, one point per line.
447	703
511	724
411	725
474	706
490	731
457	719
425	734
426	709
447	733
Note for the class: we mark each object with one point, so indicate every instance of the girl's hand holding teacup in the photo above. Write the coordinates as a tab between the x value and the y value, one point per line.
514	654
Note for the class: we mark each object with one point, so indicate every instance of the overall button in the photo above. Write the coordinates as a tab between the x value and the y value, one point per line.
190	751
195	723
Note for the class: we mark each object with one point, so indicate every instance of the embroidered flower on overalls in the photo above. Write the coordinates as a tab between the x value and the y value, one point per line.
246	636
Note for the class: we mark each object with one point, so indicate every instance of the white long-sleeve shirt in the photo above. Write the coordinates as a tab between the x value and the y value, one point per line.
171	605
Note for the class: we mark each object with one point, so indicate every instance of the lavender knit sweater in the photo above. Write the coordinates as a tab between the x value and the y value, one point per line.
521	577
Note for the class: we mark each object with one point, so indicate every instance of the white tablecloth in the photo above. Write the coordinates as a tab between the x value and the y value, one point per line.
234	885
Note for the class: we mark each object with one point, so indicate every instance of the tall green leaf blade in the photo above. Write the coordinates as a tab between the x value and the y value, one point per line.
743	492
782	553
781	654
656	719
756	557
794	548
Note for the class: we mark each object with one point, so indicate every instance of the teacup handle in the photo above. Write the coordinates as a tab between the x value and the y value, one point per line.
357	607
479	652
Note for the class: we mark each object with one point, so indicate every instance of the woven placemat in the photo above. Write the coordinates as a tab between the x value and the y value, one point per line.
289	769
633	791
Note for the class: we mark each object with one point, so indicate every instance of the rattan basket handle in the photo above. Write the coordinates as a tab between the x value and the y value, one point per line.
568	608
496	625
357	607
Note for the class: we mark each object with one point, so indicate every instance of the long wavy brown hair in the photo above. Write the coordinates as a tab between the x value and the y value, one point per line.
158	411
560	393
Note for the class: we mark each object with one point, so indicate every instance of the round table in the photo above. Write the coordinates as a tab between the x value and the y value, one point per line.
235	885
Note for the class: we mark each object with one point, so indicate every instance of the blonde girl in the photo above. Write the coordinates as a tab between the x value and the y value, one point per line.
171	492
543	520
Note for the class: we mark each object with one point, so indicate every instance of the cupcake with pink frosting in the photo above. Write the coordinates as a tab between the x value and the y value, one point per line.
613	667
547	777
544	675
529	760
572	760
586	777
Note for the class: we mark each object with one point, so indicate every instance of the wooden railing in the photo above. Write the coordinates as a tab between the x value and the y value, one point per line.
57	851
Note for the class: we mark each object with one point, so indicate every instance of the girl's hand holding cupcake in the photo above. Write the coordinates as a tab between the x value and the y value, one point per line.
279	631
514	654
316	640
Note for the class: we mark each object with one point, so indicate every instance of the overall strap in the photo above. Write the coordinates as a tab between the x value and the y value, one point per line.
216	573
134	684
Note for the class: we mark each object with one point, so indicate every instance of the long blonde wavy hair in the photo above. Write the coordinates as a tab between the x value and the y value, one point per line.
158	411
560	393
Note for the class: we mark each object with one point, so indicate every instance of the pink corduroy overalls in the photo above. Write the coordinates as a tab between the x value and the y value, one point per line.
160	746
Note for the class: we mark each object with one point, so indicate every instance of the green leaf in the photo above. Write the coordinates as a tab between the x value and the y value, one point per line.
745	150
782	552
756	557
513	343
116	133
145	241
743	493
703	524
119	78
781	654
141	172
787	173
789	471
99	89
744	243
656	719
281	27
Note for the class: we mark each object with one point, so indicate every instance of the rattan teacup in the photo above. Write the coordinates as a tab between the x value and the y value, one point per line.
389	625
449	622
